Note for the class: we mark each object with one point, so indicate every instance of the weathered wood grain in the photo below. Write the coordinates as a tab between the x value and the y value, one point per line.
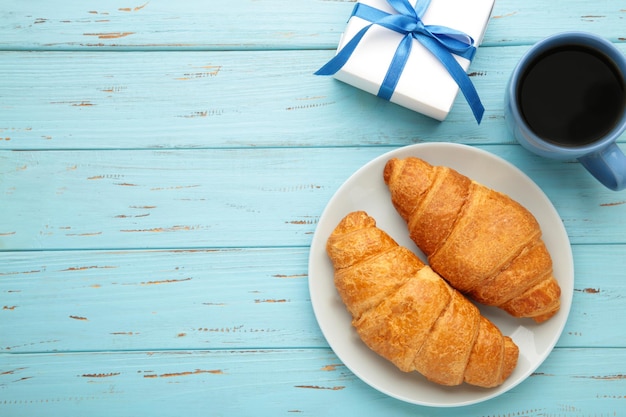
88	100
250	24
203	198
221	299
571	383
145	300
163	166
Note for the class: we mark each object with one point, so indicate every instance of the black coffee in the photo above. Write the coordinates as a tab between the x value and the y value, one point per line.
571	95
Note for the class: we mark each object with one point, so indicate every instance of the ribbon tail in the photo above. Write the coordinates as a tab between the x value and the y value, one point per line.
339	60
458	74
396	67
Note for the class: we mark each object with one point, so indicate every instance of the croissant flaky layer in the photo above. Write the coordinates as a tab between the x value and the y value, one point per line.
409	315
482	242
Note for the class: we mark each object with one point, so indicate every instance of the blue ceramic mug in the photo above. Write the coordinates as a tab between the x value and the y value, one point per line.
566	99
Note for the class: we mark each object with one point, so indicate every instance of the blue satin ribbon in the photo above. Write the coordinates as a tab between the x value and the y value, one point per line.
441	41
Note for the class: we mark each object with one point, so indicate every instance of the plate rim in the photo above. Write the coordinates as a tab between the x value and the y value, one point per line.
566	298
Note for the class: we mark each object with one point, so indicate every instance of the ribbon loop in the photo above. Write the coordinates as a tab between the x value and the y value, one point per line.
441	41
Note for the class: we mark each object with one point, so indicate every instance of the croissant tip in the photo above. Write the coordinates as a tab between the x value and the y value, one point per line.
355	220
389	168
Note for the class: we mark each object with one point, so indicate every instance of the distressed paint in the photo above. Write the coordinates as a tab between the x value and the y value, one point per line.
93	100
274	383
272	24
183	198
163	167
186	298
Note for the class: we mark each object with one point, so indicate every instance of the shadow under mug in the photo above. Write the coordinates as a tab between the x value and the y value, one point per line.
602	157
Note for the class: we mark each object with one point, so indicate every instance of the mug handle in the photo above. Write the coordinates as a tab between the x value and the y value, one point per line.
608	166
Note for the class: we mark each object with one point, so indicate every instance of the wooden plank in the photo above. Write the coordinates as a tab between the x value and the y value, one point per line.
221	299
142	300
571	383
516	23
598	286
229	197
249	24
157	24
128	100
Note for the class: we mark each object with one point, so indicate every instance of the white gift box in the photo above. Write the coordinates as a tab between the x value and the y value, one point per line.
425	85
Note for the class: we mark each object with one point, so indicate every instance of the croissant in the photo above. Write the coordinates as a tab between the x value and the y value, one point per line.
484	243
409	315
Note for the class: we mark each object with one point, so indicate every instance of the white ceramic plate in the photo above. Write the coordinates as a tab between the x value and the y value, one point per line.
366	190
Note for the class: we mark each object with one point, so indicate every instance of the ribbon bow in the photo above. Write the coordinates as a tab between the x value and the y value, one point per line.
441	41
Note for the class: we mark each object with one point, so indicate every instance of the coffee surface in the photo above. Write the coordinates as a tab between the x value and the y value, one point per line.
571	95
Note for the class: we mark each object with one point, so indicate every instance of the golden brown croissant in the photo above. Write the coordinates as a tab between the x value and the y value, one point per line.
485	244
409	315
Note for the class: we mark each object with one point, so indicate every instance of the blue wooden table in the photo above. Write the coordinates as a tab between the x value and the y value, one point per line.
163	166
